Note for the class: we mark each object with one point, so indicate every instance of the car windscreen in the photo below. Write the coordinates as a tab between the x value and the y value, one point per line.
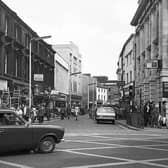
105	110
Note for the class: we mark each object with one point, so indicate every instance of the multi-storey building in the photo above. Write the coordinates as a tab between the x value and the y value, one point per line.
101	94
15	36
151	56
125	72
70	53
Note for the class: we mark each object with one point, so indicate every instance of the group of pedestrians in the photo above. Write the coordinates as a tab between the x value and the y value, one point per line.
34	114
155	116
68	112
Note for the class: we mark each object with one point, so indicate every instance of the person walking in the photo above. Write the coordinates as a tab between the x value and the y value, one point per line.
19	111
68	112
62	113
41	113
76	112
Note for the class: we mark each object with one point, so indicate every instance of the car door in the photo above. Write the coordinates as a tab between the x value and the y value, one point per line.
14	135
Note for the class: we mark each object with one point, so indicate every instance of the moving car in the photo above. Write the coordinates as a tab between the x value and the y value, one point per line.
16	134
105	114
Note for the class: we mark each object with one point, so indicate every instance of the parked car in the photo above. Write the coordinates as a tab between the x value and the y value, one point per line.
105	114
16	134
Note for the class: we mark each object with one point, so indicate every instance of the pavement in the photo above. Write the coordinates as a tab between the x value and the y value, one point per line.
124	123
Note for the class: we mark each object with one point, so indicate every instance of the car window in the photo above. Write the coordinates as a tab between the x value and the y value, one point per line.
10	119
105	110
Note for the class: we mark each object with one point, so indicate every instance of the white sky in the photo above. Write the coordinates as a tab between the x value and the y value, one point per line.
98	27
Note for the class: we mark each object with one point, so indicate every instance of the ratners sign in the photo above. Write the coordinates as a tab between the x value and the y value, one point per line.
39	77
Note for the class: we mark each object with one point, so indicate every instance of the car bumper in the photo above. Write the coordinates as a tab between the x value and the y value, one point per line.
105	118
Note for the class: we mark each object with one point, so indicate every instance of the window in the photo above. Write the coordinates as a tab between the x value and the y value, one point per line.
130	76
10	119
6	63
6	25
27	40
0	17
16	66
127	77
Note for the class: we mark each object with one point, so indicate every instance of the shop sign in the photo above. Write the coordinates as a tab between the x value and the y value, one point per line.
39	77
3	85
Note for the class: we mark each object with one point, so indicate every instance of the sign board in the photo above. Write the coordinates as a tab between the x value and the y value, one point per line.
39	77
3	85
153	64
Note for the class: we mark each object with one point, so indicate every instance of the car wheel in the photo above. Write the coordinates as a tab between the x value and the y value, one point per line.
47	145
113	121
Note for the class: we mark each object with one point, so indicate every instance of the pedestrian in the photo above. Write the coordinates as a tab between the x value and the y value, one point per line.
147	113
26	112
33	114
76	112
68	112
19	111
62	112
41	113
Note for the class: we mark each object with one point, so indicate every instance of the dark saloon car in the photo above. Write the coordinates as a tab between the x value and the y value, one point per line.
16	134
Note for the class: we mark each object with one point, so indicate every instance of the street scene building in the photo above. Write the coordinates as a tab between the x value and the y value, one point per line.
16	37
70	54
151	60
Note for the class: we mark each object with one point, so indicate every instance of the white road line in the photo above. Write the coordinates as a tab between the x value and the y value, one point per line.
14	164
120	163
100	156
93	142
115	146
101	165
154	164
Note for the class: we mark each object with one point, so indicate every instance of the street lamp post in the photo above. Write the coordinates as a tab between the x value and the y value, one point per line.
30	65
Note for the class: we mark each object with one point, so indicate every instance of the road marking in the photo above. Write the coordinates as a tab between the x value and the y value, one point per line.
100	156
14	164
119	163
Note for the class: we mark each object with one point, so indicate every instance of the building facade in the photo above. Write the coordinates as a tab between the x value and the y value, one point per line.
61	75
70	53
15	36
151	56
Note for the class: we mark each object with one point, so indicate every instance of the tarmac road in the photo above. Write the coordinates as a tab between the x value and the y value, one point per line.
90	145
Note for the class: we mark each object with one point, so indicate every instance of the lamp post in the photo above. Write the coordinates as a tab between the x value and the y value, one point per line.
30	65
70	88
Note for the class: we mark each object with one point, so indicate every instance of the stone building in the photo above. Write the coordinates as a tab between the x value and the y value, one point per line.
151	51
15	36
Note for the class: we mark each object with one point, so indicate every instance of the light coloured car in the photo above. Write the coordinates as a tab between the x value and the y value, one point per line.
105	114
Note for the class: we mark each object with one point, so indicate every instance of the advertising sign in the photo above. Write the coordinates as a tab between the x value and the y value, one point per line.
3	85
39	77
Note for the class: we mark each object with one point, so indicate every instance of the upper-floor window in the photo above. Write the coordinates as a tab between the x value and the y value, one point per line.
6	25
18	32
0	17
127	77
130	76
27	40
16	67
6	63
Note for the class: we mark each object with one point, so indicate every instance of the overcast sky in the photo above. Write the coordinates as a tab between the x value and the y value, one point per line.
98	27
